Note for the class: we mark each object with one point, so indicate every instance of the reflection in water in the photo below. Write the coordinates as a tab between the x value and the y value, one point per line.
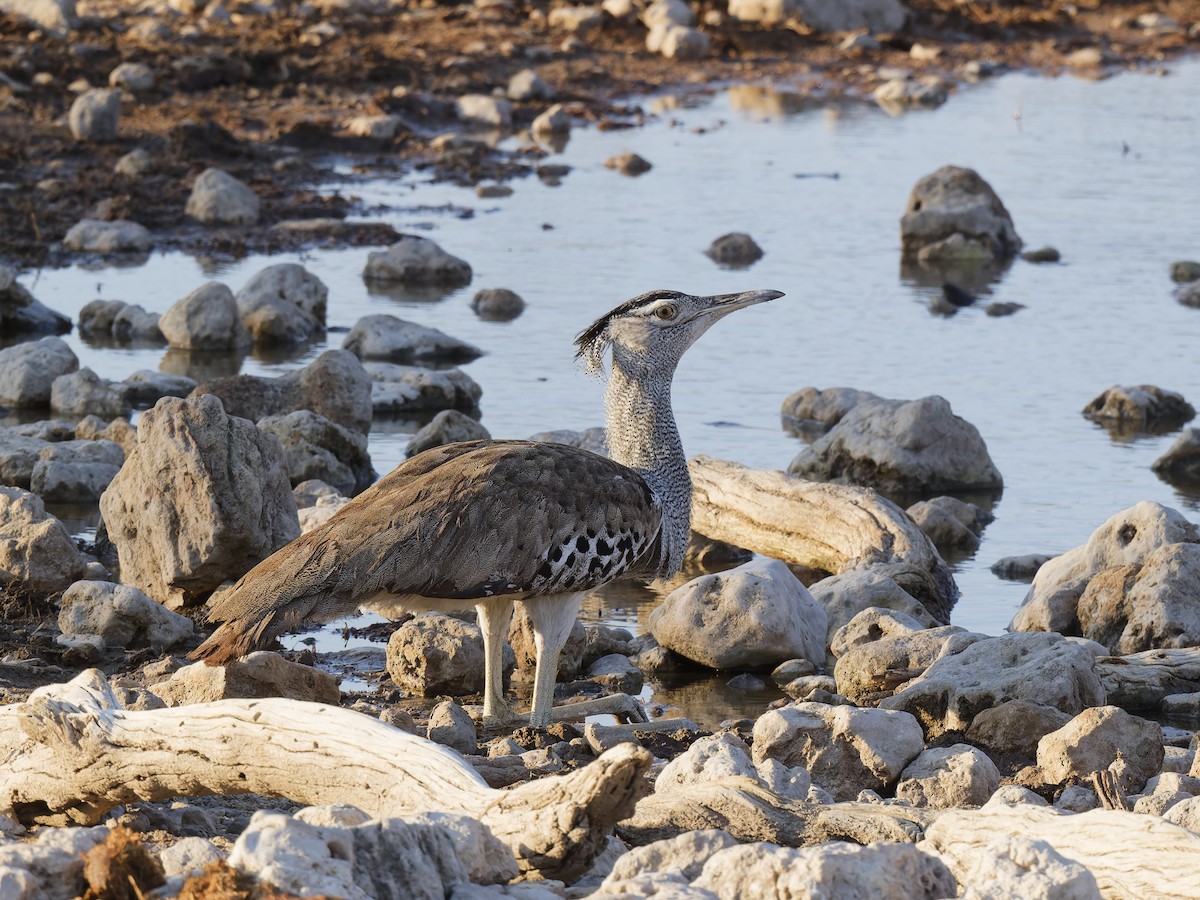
202	365
980	280
707	699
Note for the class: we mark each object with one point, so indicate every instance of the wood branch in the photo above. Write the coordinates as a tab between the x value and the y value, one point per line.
1131	855
832	527
70	753
751	813
1141	680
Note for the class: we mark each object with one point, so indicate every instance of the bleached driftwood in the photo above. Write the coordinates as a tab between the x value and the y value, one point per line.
70	753
1131	855
832	527
1141	680
751	813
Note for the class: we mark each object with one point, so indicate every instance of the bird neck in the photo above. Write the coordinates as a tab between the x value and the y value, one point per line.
643	436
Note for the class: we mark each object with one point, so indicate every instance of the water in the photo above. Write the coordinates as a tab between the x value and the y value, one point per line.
1105	171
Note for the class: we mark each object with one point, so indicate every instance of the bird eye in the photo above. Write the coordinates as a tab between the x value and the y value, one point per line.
665	312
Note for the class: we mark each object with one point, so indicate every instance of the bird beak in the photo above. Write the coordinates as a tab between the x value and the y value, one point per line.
727	303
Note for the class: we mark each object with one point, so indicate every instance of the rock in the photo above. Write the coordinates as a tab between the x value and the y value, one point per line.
1015	726
895	446
1140	407
1019	568
1126	539
1016	866
54	16
206	319
450	726
21	314
859	41
1180	464
435	654
119	236
900	93
380	128
121	322
203	497
401	389
134	77
1095	738
684	854
520	637
528	85
576	19
1188	294
823	15
554	121
82	392
137	163
28	371
869	625
254	676
94	116
812	409
628	164
50	868
447	427
36	551
1085	58
386	338
617	673
1185	271
791	783
121	615
950	523
758	614
1186	814
843	748
18	456
708	759
118	431
846	595
956	201
148	386
676	42
282	304
417	261
871	671
218	198
75	471
485	110
948	777
835	869
334	385
315	447
996	310
668	12
497	304
1042	255
594	440
735	250
1042	668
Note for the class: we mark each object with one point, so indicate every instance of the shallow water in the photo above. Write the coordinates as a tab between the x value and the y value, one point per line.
1106	171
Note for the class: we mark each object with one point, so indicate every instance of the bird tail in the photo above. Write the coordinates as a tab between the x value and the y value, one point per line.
236	638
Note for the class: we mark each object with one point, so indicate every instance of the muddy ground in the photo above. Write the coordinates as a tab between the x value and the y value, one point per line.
266	98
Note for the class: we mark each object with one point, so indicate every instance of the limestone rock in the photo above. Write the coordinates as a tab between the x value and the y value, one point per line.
133	77
1181	463
315	447
867	626
203	497
1042	668
450	726
918	446
528	85
948	777
436	654
497	304
147	386
844	749
616	672
735	250
94	116
256	675
871	671
28	371
554	121
957	201
403	389
75	471
116	320
846	595
1019	568
824	15
117	236
1015	726
677	42
282	304
815	410
35	548
484	110
1094	739
950	523
118	431
447	427
206	319
389	339
334	385
1014	866
1140	406
417	261
21	313
218	198
55	16
18	456
576	19
710	758
121	615
899	94
82	392
758	614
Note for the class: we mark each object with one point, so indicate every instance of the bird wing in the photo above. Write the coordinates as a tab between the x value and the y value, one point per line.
465	521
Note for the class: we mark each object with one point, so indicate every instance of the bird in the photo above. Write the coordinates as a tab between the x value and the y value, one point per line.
486	524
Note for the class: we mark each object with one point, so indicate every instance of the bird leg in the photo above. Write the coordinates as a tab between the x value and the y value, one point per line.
552	619
495	615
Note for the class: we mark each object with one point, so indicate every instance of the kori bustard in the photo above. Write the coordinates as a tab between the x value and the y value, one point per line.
489	523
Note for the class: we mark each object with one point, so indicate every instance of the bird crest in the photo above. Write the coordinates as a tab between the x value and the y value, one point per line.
595	339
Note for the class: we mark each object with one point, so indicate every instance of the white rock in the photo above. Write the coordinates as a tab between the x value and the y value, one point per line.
118	236
137	163
396	388
868	671
553	121
381	127
206	319
135	77
451	726
677	42
899	93
758	614
52	866
28	371
256	675
82	392
188	856
484	109
683	855
843	748
120	614
282	304
218	198
790	782
417	261
35	548
948	777
1095	738
1014	867
846	595
528	85
448	427
75	471
576	19
871	624
668	12
55	16
710	758
94	116
435	655
386	338
824	15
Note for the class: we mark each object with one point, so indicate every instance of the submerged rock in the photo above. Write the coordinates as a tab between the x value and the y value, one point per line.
21	313
497	304
956	202
389	339
1181	463
735	249
417	261
282	304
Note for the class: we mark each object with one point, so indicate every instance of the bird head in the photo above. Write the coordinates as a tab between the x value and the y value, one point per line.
659	323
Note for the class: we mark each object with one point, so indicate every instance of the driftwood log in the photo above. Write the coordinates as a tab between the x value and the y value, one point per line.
70	753
1131	855
832	527
1141	680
